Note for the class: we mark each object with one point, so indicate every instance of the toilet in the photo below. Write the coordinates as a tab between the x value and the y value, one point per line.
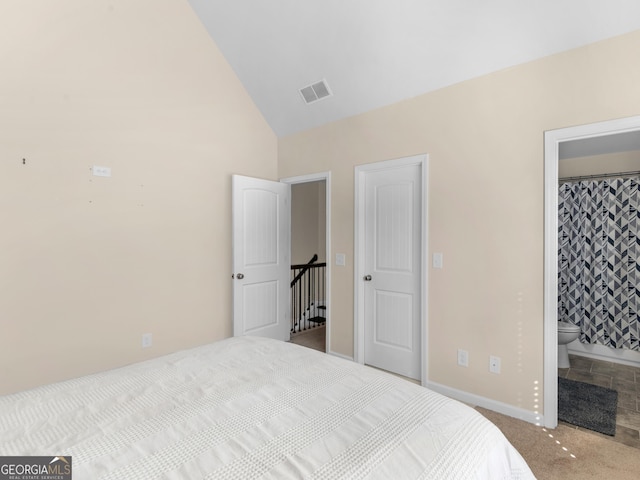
567	333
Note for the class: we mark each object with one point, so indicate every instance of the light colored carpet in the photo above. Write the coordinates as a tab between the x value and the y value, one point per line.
568	453
311	338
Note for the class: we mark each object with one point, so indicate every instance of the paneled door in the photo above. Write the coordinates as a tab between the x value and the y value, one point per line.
391	274
261	266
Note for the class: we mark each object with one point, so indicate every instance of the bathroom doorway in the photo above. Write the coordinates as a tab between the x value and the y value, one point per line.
584	141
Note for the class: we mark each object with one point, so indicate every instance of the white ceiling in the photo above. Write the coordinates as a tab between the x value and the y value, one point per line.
377	52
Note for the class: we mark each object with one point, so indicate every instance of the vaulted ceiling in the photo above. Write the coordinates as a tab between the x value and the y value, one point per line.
373	53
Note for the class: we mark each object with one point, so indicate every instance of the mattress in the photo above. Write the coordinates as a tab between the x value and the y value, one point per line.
251	407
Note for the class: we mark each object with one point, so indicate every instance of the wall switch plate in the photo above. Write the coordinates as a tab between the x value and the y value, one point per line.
437	260
494	364
147	340
341	259
463	358
101	171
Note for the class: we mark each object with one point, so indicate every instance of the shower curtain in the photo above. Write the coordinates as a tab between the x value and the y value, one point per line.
598	267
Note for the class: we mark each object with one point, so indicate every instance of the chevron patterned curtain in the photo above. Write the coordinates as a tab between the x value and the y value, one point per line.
598	264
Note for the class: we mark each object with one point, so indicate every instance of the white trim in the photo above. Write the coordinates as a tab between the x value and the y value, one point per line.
600	352
359	207
424	378
318	177
550	329
552	140
478	401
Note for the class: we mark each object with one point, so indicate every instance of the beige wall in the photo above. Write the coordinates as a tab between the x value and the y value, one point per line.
89	264
484	138
599	164
308	222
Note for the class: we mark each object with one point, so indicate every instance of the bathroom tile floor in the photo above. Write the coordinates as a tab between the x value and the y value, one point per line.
622	378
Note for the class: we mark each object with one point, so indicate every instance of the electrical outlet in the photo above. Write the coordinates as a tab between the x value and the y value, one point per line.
147	340
494	364
463	358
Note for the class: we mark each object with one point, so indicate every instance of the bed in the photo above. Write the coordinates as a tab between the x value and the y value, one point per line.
251	407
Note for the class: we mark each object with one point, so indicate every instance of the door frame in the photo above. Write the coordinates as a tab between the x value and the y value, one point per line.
318	177
422	161
552	141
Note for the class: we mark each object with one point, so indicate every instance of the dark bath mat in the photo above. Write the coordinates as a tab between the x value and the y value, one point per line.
587	406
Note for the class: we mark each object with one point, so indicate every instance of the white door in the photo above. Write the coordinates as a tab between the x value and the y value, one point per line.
392	269
261	267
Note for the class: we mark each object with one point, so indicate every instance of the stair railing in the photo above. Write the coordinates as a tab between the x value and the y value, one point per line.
307	295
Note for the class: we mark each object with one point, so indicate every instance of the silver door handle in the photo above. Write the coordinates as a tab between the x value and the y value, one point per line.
367	278
239	276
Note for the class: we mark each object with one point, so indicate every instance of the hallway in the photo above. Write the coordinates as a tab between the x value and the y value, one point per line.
311	338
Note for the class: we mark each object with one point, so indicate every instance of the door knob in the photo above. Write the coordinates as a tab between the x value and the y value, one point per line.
239	276
367	278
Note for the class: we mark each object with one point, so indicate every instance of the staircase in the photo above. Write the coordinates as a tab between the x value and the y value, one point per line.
308	309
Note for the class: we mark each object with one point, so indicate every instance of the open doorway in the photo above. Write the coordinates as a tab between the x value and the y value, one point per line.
597	138
310	269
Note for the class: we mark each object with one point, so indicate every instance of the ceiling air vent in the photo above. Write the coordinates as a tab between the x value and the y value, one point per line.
315	92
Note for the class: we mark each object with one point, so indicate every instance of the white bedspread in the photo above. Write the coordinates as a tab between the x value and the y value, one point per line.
251	407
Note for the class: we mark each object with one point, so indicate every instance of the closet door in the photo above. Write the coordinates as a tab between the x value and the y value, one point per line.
389	278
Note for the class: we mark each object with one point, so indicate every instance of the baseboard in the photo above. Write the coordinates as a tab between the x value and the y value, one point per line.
489	404
476	400
340	355
600	352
